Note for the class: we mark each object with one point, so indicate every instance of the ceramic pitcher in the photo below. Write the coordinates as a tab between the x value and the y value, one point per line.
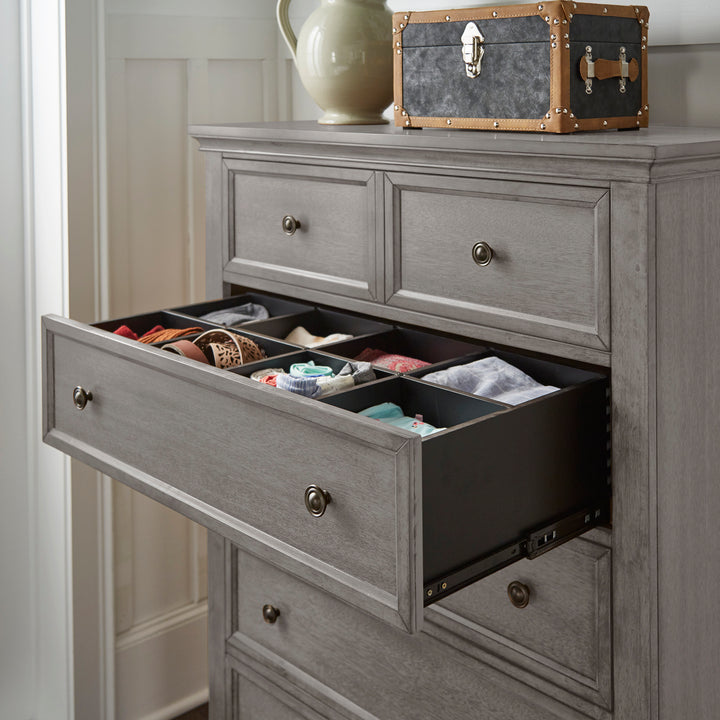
344	58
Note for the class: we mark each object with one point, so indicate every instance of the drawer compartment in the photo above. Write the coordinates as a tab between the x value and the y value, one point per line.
275	306
406	520
321	325
310	227
548	272
420	676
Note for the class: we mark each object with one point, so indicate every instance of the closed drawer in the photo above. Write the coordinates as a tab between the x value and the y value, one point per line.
332	247
564	631
408	519
254	697
326	645
549	270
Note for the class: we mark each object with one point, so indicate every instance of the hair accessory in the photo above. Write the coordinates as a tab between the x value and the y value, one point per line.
227	349
186	348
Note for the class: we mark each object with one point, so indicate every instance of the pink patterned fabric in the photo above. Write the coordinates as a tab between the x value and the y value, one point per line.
390	361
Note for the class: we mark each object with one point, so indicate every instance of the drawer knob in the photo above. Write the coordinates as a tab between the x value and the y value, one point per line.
482	253
290	225
316	500
519	594
81	397
270	614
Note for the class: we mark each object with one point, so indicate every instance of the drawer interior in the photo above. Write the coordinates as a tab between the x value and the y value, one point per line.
141	324
499	481
428	347
320	323
276	306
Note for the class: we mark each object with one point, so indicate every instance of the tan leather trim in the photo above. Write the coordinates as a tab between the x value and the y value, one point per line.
554	8
605	69
626	122
397	71
636	11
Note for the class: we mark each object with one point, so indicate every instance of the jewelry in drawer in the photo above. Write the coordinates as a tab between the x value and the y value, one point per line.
373	478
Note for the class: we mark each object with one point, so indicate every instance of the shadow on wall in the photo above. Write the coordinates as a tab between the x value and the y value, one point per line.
684	85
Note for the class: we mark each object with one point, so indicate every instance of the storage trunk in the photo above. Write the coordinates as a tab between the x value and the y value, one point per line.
548	67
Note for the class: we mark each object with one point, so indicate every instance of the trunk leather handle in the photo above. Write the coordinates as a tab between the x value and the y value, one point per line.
605	69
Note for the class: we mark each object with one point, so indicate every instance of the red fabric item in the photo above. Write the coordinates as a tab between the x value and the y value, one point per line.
157	328
269	380
126	332
390	361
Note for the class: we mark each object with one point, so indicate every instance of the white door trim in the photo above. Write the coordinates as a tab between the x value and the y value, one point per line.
46	274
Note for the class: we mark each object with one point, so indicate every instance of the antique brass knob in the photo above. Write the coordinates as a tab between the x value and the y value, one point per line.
81	397
270	614
290	225
482	253
519	594
316	500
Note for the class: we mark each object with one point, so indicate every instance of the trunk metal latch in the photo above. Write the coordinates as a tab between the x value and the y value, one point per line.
472	49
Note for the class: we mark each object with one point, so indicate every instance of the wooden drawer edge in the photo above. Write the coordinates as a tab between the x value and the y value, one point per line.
242	650
490	646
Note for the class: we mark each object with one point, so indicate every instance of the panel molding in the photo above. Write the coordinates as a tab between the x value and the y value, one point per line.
216	62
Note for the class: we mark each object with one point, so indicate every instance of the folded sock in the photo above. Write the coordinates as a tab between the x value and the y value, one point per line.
237	315
310	369
300	336
361	372
390	361
392	414
332	338
259	375
329	385
491	378
300	386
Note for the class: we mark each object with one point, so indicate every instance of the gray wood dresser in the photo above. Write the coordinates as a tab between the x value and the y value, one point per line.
594	261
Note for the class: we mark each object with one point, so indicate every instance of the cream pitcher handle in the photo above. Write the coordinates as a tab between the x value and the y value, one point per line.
285	28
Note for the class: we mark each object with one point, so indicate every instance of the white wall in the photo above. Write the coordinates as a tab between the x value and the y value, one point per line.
16	652
36	671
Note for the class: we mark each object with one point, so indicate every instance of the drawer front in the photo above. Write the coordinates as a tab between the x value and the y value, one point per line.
564	631
328	647
334	246
549	270
408	520
237	456
256	698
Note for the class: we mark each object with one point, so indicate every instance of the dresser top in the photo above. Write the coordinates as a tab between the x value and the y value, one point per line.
656	143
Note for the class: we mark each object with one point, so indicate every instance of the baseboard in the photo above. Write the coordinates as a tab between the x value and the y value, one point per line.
161	666
182	706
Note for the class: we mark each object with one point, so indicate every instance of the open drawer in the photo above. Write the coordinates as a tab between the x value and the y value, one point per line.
375	514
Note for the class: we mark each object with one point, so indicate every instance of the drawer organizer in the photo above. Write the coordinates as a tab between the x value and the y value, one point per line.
375	514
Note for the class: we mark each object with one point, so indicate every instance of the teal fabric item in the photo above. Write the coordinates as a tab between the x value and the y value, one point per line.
392	414
310	370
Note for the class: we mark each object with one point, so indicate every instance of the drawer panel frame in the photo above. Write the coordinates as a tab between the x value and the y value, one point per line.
594	334
400	606
368	288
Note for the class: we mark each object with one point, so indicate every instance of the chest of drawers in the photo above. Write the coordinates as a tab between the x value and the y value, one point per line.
587	261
